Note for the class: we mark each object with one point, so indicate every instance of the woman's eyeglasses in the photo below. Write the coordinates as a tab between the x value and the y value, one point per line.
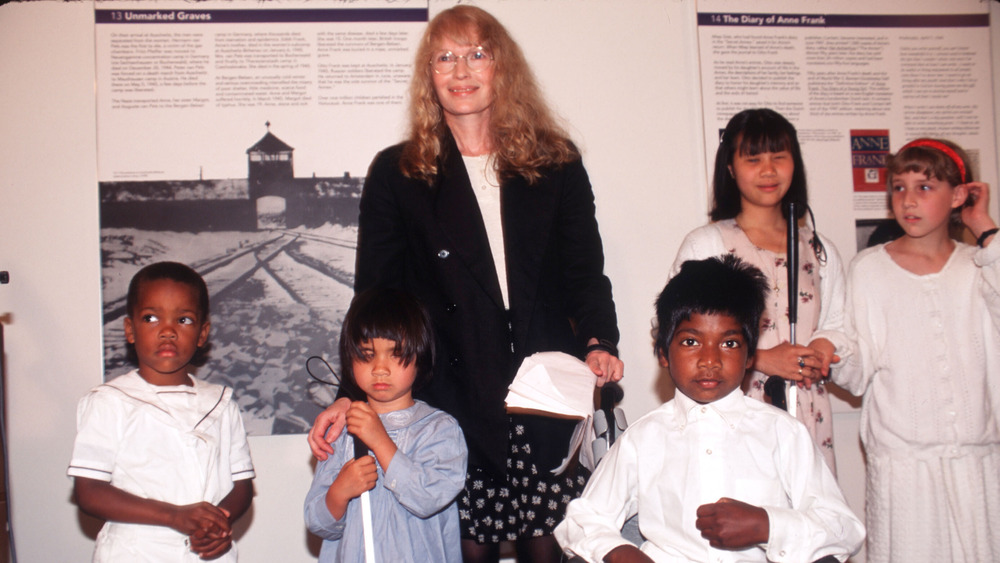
446	61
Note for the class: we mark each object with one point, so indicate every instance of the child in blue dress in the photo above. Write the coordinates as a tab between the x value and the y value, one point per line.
418	462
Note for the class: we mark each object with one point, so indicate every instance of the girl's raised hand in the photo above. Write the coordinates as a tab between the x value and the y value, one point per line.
977	216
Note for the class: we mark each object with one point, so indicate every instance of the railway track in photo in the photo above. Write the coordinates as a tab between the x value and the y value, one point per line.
277	297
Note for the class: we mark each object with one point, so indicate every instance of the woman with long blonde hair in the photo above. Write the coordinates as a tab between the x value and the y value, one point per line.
487	215
518	122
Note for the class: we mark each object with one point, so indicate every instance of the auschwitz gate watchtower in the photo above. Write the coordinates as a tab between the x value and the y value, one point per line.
273	191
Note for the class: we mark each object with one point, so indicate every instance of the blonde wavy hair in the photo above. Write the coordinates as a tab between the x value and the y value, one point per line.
524	135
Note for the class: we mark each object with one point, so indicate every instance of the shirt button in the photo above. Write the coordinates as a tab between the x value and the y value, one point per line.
443	254
704	409
709	451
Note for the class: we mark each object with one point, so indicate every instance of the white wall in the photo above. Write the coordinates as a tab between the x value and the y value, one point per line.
627	86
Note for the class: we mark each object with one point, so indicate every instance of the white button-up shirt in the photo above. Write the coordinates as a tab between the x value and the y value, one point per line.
683	455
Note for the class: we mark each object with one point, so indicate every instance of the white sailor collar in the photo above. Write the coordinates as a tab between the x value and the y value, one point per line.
211	397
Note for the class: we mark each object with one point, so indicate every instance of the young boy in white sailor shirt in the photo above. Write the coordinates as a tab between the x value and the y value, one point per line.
160	455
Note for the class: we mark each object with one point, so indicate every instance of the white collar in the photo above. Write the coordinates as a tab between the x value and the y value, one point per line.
730	409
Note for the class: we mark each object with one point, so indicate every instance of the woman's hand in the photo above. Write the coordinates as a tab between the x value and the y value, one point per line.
605	366
327	427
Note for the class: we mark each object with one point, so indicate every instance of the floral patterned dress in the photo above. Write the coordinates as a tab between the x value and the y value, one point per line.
725	236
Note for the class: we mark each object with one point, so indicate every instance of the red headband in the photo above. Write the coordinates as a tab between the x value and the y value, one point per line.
931	143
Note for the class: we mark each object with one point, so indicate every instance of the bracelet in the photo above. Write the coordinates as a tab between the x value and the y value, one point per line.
604	346
985	235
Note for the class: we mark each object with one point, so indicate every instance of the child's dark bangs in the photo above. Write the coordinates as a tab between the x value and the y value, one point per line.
756	141
388	329
677	316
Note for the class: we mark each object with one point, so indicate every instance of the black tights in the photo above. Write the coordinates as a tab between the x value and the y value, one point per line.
543	549
473	552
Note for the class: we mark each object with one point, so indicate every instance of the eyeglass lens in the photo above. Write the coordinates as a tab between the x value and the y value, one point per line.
446	61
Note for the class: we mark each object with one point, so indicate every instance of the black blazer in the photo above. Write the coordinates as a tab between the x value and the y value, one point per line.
431	241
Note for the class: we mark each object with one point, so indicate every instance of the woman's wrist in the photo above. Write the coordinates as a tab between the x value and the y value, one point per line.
600	344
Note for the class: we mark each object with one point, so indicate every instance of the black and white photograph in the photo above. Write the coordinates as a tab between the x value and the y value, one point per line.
277	253
236	141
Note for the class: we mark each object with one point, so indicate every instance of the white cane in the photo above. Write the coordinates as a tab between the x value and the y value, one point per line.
791	387
360	449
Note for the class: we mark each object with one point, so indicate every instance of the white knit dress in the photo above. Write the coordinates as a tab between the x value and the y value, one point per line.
927	362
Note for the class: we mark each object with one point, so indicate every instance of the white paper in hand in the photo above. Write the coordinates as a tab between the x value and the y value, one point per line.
560	385
553	382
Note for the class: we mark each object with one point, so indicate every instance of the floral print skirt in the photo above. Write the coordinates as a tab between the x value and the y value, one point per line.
525	503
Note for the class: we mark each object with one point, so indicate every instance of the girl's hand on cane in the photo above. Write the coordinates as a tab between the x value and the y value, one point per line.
826	354
789	361
355	477
364	423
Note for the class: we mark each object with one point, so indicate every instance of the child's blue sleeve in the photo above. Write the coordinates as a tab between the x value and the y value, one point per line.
429	477
317	516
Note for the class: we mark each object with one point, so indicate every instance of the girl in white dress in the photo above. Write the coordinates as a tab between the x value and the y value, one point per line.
758	170
924	312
